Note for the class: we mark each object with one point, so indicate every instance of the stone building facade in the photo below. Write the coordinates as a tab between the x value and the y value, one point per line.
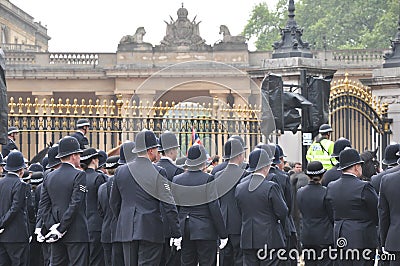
180	68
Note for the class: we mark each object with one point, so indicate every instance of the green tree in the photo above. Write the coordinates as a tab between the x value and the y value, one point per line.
333	24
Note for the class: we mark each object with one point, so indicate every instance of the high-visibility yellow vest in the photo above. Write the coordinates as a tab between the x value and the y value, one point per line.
321	151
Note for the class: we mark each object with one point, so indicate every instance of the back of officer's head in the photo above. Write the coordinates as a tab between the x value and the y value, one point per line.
325	130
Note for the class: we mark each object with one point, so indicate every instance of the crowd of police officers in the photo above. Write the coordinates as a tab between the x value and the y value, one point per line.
80	207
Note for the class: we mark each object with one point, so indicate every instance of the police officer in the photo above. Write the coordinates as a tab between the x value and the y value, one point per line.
263	211
12	137
283	180
105	210
322	148
391	158
230	177
317	220
333	173
201	222
63	201
125	155
137	194
102	162
14	236
82	126
169	152
33	197
389	215
222	165
117	254
125	152
354	203
94	179
41	227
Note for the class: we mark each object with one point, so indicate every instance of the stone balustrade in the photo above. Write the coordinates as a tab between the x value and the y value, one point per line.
19	54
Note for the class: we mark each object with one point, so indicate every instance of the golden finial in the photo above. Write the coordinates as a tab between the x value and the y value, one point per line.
20	104
11	105
97	106
52	106
75	106
60	106
28	106
67	106
83	106
112	108
44	106
105	107
119	104
36	106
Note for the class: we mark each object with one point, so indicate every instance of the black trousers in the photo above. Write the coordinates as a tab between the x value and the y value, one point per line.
107	247
251	258
46	250
232	254
35	253
320	259
395	262
69	254
291	244
170	256
117	254
15	254
348	260
140	252
194	252
96	252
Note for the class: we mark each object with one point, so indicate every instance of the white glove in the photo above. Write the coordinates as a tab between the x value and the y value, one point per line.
54	235
1	230
177	242
39	237
223	243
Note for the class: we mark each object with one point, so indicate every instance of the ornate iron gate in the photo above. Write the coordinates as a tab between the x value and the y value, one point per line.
359	116
113	122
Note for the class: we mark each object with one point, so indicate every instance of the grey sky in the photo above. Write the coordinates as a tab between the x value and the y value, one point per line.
98	26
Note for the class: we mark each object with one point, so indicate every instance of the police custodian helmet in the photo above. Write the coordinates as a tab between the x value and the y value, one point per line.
325	128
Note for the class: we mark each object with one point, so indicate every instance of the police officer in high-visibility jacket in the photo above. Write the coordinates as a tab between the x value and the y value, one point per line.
322	148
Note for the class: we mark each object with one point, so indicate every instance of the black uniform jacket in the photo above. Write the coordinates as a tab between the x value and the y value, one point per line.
262	210
63	200
6	149
170	168
355	211
389	212
205	219
376	179
93	181
105	210
231	176
332	174
317	220
137	194
82	139
13	217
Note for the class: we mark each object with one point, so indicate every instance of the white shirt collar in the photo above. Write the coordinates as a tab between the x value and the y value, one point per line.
13	173
259	174
167	158
70	164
